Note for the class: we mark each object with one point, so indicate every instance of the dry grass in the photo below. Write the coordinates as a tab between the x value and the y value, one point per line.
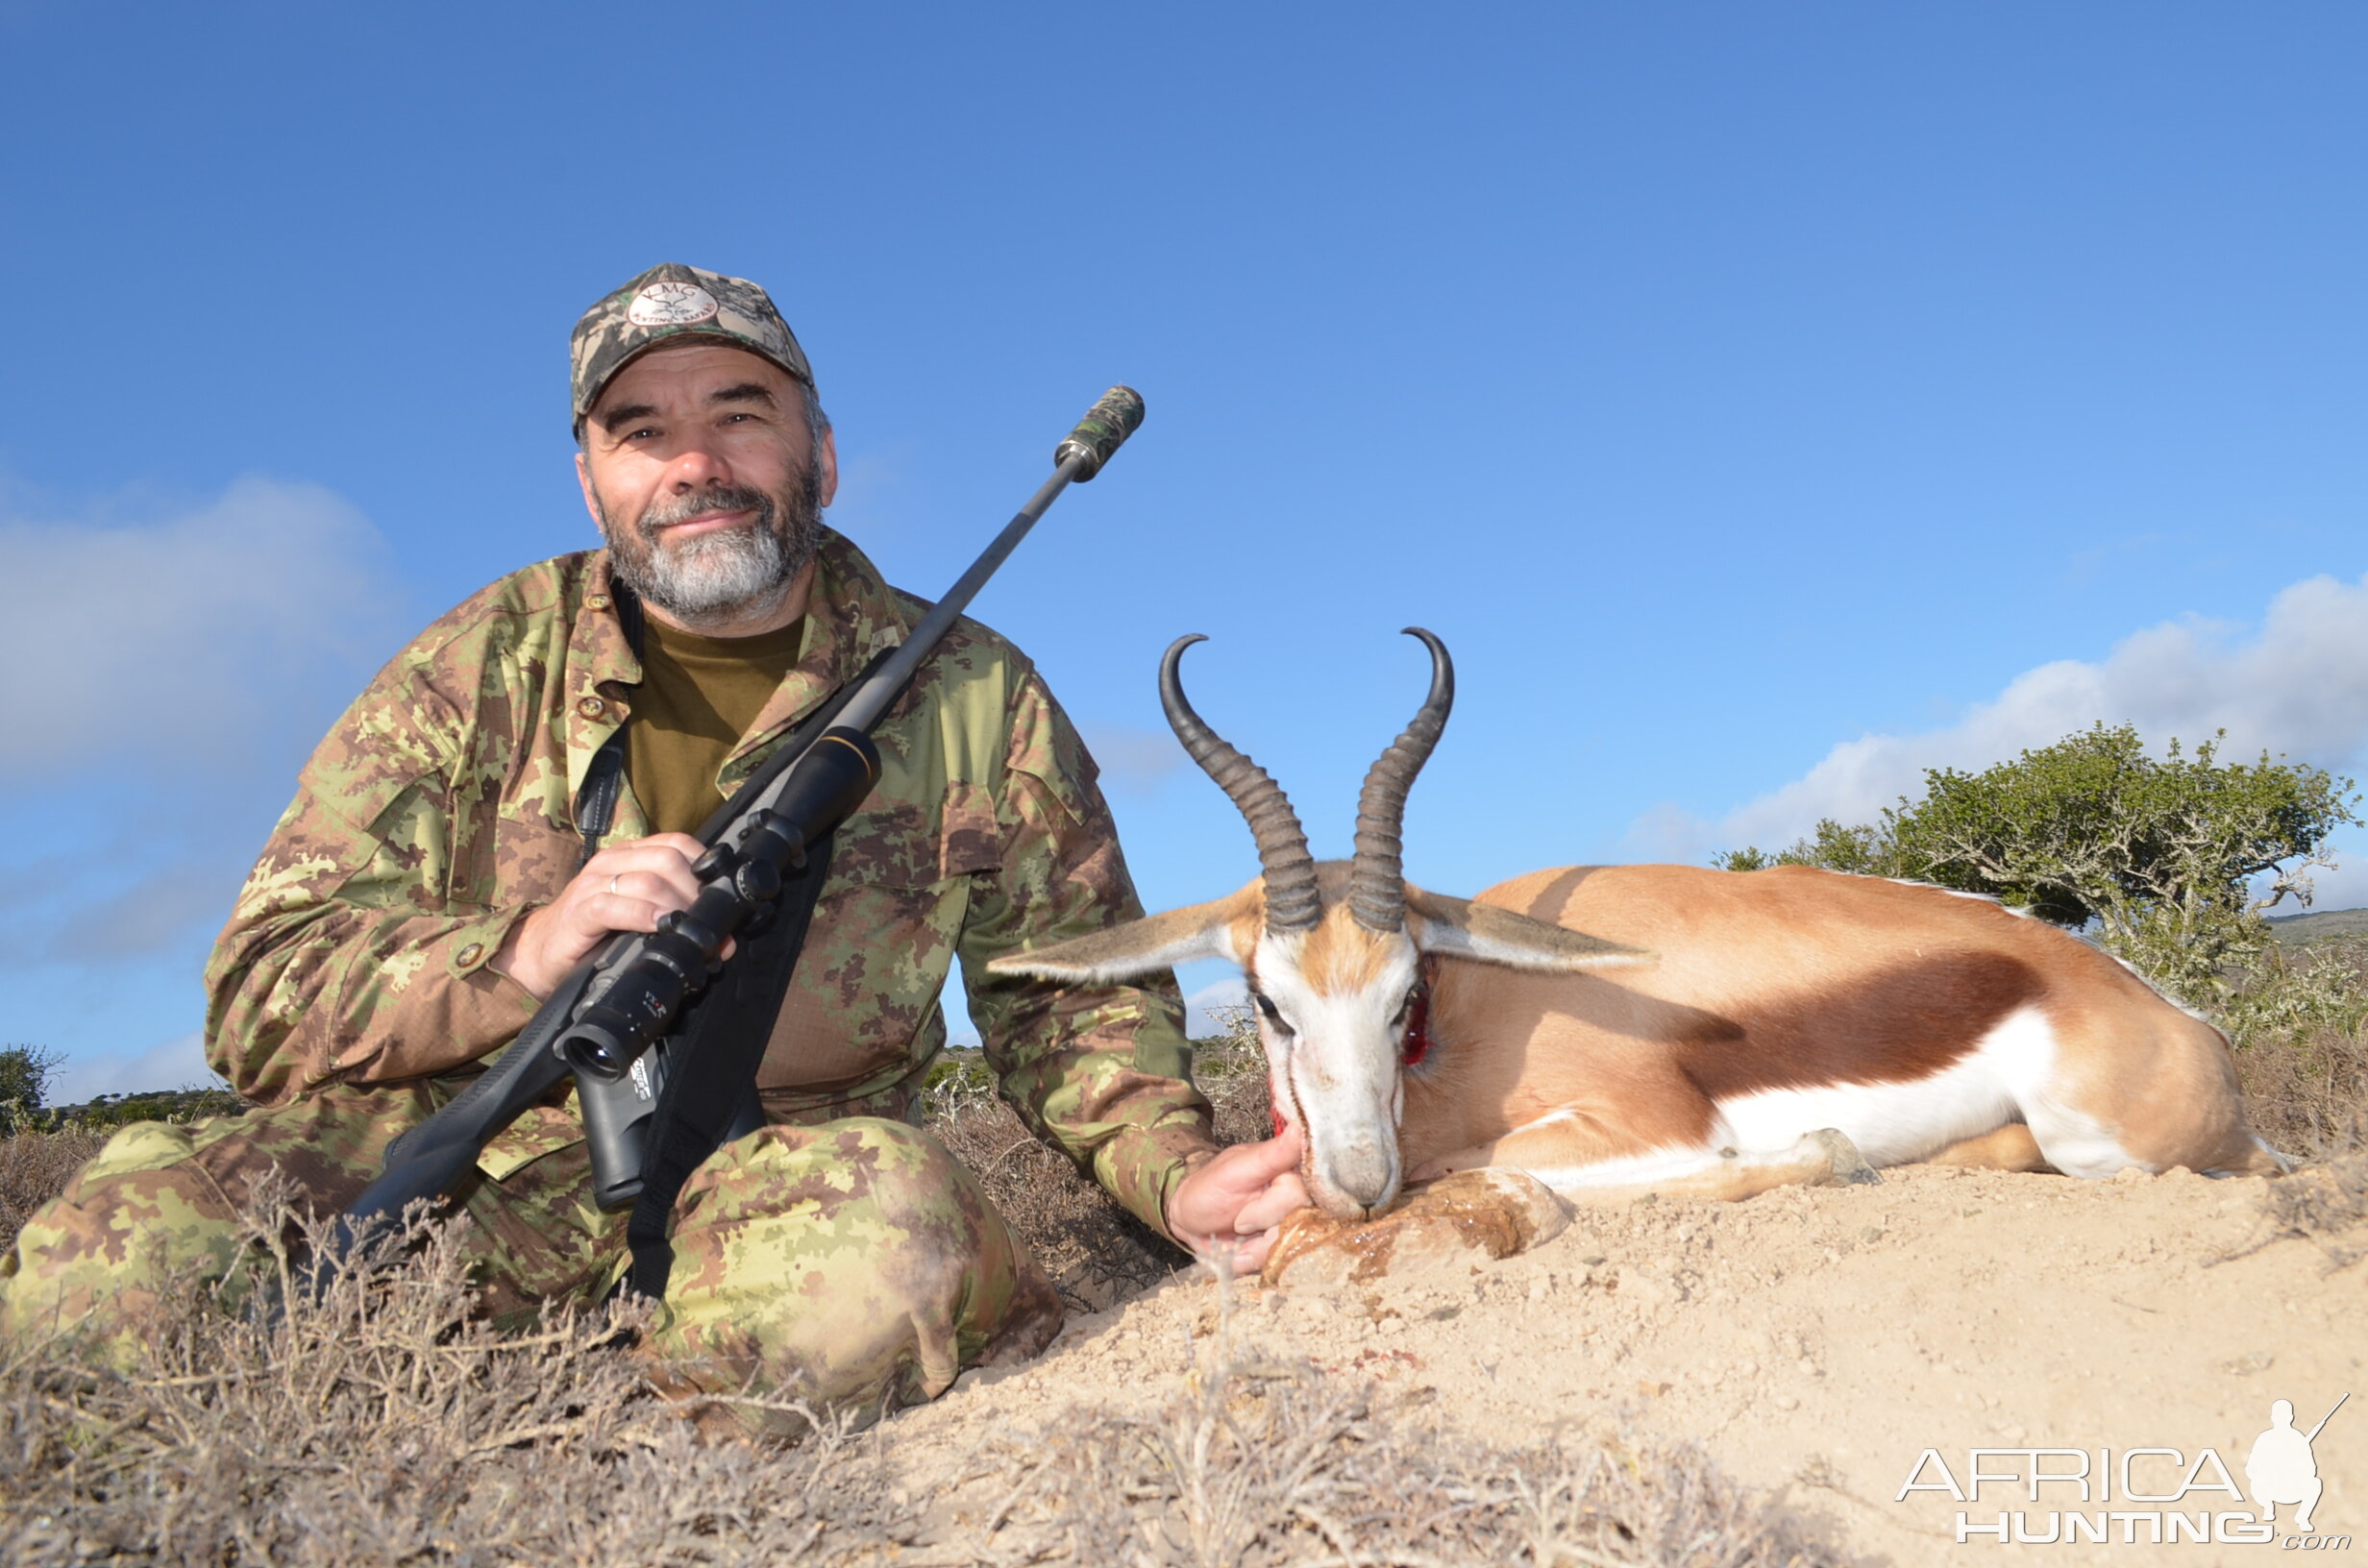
383	1422
1257	1460
34	1168
1096	1252
2309	1097
2300	1020
2327	1204
380	1421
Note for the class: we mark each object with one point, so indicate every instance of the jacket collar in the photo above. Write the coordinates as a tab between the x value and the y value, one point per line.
851	614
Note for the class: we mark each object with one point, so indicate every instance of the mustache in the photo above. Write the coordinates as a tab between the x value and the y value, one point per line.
727	498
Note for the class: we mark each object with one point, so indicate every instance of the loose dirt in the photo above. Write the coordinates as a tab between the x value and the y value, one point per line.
1817	1343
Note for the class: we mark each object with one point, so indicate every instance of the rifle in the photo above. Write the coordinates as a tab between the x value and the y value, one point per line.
602	1020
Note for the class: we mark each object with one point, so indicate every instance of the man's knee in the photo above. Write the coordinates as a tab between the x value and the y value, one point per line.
166	1203
139	1215
856	1262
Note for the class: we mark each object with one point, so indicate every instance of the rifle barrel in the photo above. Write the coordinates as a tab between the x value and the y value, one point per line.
873	698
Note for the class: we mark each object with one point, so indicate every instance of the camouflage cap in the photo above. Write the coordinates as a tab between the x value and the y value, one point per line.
671	302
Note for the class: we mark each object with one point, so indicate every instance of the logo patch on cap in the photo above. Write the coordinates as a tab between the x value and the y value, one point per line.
668	303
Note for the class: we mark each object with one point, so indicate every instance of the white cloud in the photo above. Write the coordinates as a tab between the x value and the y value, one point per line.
191	637
2297	686
1200	1008
179	1062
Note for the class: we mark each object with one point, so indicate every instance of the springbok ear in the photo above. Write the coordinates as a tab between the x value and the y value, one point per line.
1460	927
1136	948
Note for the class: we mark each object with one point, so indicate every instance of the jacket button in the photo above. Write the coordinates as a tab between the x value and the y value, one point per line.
598	601
470	954
591	707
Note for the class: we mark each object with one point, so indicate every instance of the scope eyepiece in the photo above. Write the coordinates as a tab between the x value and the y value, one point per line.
589	1048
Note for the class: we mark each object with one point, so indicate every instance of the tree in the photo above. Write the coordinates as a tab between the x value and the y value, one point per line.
25	1074
2158	858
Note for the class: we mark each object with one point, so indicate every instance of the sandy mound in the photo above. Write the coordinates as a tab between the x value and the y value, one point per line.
1817	1342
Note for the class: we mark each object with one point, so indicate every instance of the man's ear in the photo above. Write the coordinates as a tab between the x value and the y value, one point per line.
828	470
591	502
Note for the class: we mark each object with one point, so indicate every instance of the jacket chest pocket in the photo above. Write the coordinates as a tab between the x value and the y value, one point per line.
863	1001
532	857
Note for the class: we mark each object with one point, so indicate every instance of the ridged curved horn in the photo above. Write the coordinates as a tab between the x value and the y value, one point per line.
1292	903
1377	877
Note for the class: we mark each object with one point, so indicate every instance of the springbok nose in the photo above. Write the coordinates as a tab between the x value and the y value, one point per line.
1364	1172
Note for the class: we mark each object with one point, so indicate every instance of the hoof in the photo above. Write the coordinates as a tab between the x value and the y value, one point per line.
1461	1218
1850	1167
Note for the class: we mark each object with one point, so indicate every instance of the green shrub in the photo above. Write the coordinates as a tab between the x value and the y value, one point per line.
2156	858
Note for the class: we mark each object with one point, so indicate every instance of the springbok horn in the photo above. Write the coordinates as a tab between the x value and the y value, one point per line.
1377	877
1292	903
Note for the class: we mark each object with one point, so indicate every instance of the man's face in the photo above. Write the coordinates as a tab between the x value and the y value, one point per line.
698	465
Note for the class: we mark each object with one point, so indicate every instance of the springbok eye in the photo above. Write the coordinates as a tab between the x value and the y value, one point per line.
1270	1012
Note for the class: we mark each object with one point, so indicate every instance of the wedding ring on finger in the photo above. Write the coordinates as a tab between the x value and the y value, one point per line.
612	883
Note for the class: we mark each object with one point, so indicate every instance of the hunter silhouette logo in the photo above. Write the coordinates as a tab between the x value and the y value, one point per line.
2282	1468
2140	1496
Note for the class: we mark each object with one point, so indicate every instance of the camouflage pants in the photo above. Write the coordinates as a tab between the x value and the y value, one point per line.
852	1261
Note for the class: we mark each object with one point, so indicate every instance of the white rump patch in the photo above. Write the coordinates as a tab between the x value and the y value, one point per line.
2007	1078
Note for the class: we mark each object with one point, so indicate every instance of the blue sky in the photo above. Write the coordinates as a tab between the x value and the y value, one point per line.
1764	402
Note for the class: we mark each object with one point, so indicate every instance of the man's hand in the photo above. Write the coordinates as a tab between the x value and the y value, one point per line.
1237	1201
623	888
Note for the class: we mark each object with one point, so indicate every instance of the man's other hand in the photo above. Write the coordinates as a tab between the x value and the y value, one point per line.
1237	1201
623	888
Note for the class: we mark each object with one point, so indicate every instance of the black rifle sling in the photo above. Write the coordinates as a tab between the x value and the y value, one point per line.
718	1041
711	1062
596	802
714	1049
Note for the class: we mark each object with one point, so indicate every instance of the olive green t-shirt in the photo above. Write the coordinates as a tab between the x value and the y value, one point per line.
698	697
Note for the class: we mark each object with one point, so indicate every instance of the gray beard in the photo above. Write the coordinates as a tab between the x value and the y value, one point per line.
725	577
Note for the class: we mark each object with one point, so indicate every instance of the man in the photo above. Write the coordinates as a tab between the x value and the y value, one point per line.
434	878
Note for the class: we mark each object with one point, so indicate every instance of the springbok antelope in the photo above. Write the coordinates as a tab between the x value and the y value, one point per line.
1618	1029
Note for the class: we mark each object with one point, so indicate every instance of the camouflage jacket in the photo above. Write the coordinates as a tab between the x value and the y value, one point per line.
439	811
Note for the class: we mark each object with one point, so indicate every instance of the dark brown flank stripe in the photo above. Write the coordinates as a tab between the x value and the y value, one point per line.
1898	1025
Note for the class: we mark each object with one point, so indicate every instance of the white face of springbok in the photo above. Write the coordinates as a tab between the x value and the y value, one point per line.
1332	953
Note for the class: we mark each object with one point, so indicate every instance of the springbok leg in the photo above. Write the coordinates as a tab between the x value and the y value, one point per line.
1543	1149
2011	1148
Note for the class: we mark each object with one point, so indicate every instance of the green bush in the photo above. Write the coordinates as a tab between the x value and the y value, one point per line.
25	1075
28	1072
2156	857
